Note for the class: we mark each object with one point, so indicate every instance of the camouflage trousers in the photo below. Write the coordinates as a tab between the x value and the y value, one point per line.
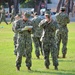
49	46
24	44
3	19
12	19
62	36
37	44
15	44
15	39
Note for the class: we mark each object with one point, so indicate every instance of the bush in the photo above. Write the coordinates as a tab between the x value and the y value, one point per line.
28	4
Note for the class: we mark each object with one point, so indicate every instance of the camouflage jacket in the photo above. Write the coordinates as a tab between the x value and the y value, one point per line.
19	28
49	29
62	19
37	30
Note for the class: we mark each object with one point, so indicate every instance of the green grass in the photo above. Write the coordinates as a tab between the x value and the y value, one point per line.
7	57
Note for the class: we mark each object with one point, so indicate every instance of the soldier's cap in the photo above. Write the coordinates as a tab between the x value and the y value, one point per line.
48	13
63	8
27	14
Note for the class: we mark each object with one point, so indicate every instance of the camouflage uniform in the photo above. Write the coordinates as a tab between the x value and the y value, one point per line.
37	35
24	42
63	20
2	16
48	41
15	36
12	15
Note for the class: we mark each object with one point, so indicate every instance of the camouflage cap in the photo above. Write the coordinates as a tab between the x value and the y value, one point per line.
27	14
63	8
48	13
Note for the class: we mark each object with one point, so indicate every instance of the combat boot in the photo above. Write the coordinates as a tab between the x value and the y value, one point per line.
18	68
47	67
29	68
63	56
56	68
38	57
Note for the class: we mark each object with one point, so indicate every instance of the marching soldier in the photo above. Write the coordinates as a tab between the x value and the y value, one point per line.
12	14
2	15
37	34
48	40
62	19
24	41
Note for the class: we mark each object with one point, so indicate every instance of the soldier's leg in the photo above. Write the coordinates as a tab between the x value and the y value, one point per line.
5	21
15	44
18	60
28	54
54	51
46	51
20	50
12	19
36	44
58	43
40	44
64	42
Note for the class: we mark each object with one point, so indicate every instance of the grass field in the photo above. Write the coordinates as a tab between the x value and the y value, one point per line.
7	57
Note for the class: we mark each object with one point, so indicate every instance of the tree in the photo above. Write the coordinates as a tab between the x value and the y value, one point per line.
12	2
67	3
58	6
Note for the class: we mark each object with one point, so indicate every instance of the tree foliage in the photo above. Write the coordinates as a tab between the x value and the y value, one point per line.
27	3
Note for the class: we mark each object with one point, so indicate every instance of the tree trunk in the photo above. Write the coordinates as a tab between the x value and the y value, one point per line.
16	6
9	4
58	6
37	6
67	5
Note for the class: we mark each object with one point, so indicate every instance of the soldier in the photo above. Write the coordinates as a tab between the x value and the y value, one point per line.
62	19
48	40
17	17
42	12
2	11
36	34
12	14
24	41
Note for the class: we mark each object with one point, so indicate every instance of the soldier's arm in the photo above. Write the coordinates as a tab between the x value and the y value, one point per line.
42	23
31	30
67	19
55	26
17	27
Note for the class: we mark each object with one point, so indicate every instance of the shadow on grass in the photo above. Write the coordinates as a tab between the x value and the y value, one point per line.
52	73
65	60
